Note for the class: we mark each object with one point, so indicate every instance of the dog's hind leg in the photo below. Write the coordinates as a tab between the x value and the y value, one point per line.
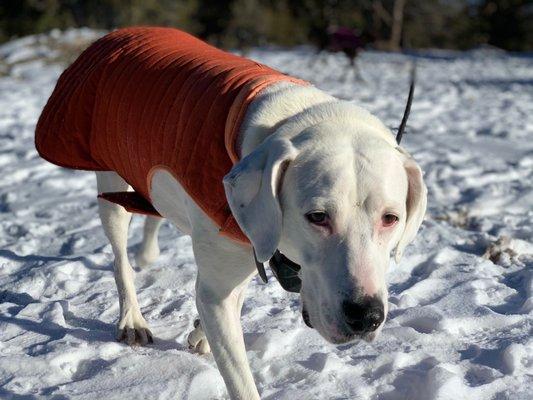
198	340
149	250
132	328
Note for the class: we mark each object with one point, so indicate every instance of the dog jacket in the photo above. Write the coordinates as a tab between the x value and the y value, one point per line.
140	99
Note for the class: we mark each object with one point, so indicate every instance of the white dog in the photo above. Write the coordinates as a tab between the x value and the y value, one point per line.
319	180
324	182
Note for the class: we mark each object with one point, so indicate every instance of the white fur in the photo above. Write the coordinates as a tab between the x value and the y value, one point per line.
301	150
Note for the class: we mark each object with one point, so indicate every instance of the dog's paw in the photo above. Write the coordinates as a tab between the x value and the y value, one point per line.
133	329
197	339
146	256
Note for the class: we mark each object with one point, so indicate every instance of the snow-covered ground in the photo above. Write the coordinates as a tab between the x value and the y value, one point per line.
461	300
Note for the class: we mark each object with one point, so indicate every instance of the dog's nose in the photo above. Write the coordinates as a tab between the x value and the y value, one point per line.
364	316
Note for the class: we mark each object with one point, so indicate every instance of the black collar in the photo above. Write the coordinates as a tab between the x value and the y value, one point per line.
285	271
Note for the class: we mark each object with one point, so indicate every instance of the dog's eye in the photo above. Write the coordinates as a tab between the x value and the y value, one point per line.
317	217
389	219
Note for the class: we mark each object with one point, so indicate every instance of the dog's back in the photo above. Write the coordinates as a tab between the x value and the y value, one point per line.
141	98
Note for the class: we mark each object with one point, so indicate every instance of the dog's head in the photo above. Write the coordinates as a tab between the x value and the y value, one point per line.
336	198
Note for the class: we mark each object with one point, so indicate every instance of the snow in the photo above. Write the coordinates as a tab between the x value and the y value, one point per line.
460	301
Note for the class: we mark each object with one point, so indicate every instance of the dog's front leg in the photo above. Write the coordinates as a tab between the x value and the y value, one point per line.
222	279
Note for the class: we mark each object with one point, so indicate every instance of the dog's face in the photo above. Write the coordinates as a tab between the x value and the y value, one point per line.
337	204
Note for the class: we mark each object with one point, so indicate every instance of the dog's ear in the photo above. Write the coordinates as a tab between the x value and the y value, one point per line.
416	203
252	187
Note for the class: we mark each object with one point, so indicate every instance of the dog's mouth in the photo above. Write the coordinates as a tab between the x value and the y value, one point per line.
346	337
351	338
307	320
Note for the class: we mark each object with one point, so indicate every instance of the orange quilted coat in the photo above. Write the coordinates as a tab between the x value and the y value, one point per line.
143	98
